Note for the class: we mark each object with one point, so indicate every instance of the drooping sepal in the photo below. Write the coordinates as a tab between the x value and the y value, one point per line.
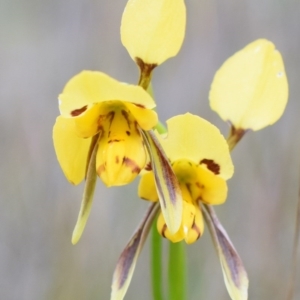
167	185
234	273
127	261
88	194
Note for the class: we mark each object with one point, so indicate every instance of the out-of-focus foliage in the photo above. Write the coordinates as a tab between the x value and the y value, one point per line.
42	45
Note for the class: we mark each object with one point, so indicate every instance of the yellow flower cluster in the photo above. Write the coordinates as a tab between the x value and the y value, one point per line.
107	128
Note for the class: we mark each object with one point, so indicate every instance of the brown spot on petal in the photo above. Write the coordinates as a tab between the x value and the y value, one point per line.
128	133
115	141
148	167
211	165
137	128
199	185
79	111
188	186
196	228
144	199
101	119
117	159
131	164
100	127
111	116
163	230
139	105
101	169
126	116
199	199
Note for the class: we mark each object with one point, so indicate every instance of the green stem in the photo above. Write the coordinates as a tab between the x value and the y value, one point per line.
177	271
156	263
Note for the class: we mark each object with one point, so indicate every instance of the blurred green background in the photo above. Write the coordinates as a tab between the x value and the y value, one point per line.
42	45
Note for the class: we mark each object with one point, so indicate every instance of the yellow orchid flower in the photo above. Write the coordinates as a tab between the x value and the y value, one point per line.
93	103
153	30
105	129
200	158
250	90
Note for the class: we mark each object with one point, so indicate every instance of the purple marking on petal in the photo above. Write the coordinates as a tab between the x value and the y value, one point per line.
224	245
133	248
168	173
127	257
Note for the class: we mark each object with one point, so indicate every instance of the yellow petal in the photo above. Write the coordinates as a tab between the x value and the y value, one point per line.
191	228
203	184
192	225
146	118
213	188
71	151
195	139
188	210
86	124
121	154
90	87
188	217
197	228
153	30
165	232
250	89
147	188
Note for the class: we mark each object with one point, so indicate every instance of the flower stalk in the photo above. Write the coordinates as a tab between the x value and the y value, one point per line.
156	263
177	271
145	73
